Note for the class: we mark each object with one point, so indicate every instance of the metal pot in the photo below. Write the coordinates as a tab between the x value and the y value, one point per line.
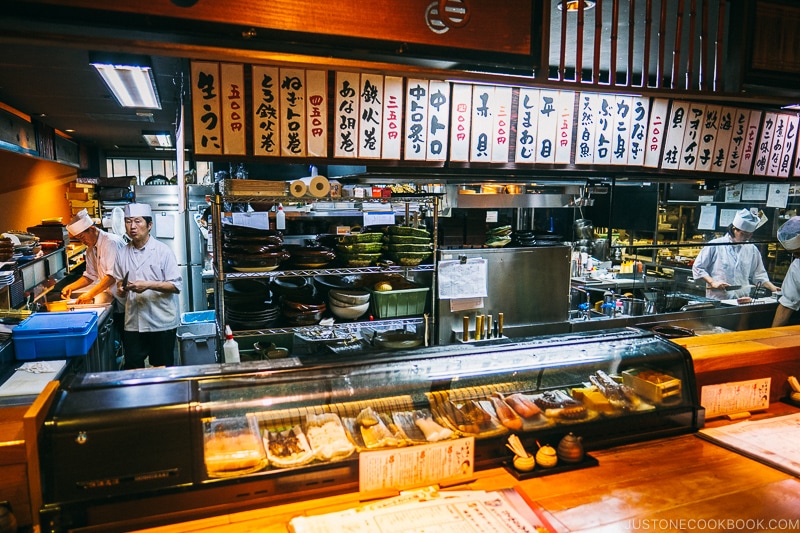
632	306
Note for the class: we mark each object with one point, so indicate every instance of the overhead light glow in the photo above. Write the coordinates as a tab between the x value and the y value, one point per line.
132	85
574	5
158	139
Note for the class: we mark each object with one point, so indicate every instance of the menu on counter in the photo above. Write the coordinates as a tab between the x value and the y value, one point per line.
427	509
735	397
772	441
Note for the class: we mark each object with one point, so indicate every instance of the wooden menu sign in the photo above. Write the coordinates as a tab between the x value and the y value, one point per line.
317	113
266	107
206	108
345	143
232	109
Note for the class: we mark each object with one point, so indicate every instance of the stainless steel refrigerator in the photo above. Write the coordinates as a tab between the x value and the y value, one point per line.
178	230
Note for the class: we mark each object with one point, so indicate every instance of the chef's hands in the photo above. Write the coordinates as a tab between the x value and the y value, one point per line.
66	292
138	286
716	284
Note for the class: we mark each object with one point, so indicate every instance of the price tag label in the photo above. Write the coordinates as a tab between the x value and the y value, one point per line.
491	216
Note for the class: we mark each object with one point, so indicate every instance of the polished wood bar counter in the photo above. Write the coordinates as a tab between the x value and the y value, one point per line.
681	483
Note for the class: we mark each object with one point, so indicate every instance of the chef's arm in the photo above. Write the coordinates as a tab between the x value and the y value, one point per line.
99	287
771	286
75	285
782	316
159	286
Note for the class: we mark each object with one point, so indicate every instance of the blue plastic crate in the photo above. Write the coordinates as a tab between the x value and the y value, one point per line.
55	335
198	316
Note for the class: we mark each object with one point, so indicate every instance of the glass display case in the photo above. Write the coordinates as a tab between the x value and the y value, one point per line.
254	434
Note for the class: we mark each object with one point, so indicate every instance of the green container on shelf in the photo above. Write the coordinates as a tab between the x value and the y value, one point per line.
399	303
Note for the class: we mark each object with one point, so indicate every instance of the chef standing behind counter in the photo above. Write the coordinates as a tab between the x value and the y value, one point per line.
149	283
737	265
789	302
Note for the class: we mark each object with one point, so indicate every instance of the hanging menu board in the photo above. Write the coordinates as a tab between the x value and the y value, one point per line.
546	131
293	112
676	129
621	136
232	109
501	124
655	132
392	117
438	120
708	138
750	146
416	129
346	117
764	145
370	121
695	114
461	122
525	151
482	123
266	126
719	157
638	129
566	118
587	114
604	129
317	113
206	108
789	145
736	146
776	147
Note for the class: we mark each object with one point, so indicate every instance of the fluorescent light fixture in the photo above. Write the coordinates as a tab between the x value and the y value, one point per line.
158	139
130	79
574	5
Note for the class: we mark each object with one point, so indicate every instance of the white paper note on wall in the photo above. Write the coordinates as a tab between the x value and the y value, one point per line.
708	218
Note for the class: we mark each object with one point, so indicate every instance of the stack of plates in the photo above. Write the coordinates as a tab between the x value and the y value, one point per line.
6	277
249	305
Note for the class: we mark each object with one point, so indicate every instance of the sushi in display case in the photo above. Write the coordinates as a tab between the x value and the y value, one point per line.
145	447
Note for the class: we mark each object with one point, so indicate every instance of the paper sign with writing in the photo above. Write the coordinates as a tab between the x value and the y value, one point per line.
438	120
789	145
621	132
546	133
738	135
750	142
695	117
266	111
587	116
719	158
293	112
764	144
566	120
708	137
461	123
345	120
416	130
636	141
371	116
232	106
776	150
206	107
392	117
317	113
501	127
482	122
525	151
655	132
604	129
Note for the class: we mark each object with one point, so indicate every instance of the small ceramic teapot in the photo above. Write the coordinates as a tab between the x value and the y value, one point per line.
570	449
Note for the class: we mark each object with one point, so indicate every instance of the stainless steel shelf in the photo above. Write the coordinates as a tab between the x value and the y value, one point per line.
346	327
325	271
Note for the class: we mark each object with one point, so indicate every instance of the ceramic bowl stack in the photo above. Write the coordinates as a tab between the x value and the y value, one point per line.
313	256
6	249
249	305
498	237
408	246
348	304
246	249
299	304
359	249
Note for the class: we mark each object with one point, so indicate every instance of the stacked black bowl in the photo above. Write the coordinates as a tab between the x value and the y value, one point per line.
249	304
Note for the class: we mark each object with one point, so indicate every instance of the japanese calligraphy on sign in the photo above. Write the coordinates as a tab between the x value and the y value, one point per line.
206	107
587	118
695	117
317	113
461	122
750	142
655	132
438	120
719	158
370	121
636	142
527	125
604	128
501	125
708	137
345	123
566	119
776	149
266	107
789	145
392	117
482	123
547	122
764	145
232	105
293	112
736	145
416	129
622	124
676	127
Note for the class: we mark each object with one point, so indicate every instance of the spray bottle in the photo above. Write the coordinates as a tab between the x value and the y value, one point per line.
231	347
280	218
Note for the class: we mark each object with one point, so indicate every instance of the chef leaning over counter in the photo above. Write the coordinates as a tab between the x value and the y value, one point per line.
789	302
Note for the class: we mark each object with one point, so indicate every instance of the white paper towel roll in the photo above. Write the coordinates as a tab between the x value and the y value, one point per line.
298	188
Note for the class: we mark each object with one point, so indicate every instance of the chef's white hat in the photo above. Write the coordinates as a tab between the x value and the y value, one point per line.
138	210
79	223
745	220
789	234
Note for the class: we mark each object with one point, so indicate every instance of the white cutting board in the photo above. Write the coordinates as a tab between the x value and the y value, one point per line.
24	383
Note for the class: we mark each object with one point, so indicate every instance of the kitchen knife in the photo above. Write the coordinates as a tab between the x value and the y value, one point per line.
125	280
728	288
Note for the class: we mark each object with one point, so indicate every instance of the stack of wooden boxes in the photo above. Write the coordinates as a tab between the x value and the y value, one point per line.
82	196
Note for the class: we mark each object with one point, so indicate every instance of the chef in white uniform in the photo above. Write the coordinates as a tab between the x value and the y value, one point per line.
148	281
100	255
789	301
733	261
